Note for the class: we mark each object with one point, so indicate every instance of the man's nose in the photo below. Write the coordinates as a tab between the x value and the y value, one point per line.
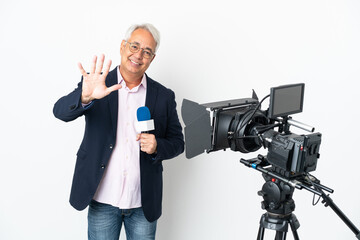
139	54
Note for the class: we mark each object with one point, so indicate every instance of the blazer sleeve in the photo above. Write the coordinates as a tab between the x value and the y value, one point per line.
172	144
69	107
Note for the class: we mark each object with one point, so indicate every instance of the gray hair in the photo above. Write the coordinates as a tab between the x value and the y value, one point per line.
147	26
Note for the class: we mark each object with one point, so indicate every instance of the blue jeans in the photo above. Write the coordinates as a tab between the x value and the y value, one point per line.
105	221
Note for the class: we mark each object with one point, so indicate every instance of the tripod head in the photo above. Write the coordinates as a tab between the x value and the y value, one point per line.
277	196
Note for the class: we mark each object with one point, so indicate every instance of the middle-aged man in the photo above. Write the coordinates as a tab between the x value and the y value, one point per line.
118	171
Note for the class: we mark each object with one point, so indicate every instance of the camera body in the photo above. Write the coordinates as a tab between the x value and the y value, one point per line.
291	154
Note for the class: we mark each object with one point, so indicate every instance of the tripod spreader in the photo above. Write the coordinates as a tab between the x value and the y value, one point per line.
327	201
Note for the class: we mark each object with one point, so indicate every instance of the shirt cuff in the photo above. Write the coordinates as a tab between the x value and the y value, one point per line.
153	156
86	106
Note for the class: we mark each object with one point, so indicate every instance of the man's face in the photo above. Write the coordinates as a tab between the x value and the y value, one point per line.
135	63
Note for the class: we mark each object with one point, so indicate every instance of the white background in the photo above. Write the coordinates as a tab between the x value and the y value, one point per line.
210	51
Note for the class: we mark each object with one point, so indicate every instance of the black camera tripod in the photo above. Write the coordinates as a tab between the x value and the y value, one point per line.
277	193
279	205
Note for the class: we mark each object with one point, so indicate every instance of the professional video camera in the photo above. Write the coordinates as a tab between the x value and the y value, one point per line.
242	126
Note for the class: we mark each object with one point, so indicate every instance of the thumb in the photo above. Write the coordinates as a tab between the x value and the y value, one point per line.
114	88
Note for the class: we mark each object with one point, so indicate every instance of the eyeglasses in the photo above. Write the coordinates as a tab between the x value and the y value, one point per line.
135	47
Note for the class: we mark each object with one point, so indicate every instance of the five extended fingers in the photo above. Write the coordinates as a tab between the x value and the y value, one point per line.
100	64
96	66
107	68
82	70
93	64
94	81
113	88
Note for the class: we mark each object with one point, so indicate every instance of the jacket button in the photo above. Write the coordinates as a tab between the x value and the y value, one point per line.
102	166
111	146
72	107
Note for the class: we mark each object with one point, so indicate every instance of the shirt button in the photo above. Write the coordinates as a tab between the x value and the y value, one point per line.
102	166
111	146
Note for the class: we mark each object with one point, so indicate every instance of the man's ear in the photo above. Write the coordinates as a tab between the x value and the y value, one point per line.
153	58
122	46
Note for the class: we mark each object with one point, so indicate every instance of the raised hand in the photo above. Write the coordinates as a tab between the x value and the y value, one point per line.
93	86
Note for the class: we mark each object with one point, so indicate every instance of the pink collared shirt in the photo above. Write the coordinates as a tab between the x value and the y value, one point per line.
120	185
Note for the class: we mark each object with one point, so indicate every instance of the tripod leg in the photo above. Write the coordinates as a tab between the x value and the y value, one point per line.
280	235
296	236
294	224
261	233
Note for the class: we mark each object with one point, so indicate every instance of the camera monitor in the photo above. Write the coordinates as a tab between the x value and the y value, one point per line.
286	100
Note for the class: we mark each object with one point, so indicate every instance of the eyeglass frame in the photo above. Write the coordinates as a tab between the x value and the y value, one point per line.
142	49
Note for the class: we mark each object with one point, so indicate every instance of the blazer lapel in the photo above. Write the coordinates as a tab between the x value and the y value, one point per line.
113	101
151	94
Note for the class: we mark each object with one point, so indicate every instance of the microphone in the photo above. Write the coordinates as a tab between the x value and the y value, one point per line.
144	122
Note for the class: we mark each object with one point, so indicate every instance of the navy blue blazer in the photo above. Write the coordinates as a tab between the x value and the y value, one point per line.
100	137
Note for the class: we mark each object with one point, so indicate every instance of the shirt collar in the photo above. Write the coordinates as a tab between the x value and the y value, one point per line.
121	81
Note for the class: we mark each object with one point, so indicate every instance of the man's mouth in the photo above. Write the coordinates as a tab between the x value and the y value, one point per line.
134	62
